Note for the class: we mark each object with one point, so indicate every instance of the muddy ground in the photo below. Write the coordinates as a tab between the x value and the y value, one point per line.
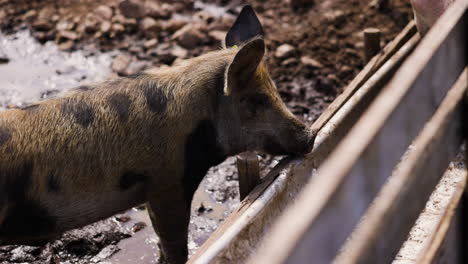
47	47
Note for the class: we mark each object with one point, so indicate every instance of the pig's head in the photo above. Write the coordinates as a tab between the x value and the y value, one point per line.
253	115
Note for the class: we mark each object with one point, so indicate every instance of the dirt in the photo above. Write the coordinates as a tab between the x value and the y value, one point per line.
430	218
82	44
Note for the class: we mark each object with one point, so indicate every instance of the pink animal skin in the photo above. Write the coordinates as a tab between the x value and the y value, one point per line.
426	12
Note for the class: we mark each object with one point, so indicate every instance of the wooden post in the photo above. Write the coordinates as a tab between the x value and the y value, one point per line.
249	172
371	43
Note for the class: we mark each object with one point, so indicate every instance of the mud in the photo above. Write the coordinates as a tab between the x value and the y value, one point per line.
37	62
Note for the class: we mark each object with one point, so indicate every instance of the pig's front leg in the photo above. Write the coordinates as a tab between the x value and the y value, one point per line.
170	215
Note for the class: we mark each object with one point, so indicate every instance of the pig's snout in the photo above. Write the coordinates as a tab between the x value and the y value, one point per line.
305	142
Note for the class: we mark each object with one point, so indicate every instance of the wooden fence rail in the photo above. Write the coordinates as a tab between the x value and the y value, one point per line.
315	228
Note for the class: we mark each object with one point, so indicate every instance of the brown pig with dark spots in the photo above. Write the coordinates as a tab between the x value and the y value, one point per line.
150	137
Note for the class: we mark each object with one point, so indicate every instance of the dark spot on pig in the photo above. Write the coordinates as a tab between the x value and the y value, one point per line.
79	110
27	219
120	103
84	88
155	98
17	181
130	179
201	152
53	182
5	134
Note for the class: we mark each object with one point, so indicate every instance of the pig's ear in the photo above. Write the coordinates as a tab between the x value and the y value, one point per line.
246	27
244	65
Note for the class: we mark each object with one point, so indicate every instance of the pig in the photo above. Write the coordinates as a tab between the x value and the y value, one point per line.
426	13
146	138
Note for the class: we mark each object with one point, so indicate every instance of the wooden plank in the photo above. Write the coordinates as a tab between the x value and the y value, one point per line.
370	68
371	42
313	227
281	185
445	245
249	172
396	209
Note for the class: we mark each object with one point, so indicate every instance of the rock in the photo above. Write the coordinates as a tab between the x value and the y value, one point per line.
222	23
67	35
301	3
156	10
103	11
163	53
64	25
150	27
55	18
105	253
334	16
132	8
285	51
23	254
90	24
138	226
117	28
217	35
67	45
105	26
189	36
179	52
308	61
3	57
30	15
46	13
174	24
42	25
151	43
120	63
288	62
203	16
3	15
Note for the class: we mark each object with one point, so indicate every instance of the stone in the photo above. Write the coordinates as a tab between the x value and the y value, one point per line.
67	35
217	35
121	63
117	28
150	27
179	52
151	43
301	3
30	15
132	8
42	25
3	57
105	26
67	45
285	51
64	25
174	24
90	23
189	36
308	61
103	11
288	62
156	10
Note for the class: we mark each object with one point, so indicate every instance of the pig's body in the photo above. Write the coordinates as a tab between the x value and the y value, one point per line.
77	159
426	12
71	161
